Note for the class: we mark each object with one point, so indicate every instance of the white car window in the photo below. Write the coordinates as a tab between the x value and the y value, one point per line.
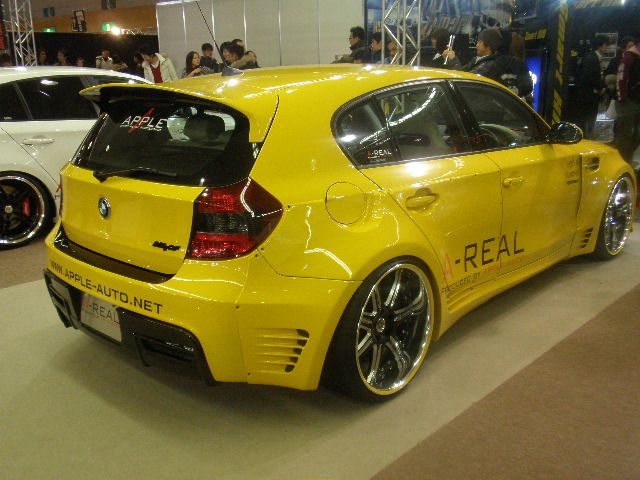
56	98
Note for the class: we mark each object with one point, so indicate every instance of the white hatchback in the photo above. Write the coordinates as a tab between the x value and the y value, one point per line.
43	119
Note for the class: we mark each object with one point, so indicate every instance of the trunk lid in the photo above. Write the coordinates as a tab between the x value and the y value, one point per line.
130	191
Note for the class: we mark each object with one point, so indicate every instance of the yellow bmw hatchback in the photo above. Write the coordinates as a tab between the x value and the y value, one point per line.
291	225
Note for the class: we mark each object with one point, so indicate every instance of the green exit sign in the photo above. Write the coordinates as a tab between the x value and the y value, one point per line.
49	29
106	27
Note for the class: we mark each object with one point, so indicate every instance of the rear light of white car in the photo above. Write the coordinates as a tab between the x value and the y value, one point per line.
229	222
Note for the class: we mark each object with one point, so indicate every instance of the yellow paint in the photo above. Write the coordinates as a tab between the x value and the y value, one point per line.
479	223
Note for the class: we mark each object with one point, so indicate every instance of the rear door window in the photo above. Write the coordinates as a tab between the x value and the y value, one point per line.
177	142
424	123
56	98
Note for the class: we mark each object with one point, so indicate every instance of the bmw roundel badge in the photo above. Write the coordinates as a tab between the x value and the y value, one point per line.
104	207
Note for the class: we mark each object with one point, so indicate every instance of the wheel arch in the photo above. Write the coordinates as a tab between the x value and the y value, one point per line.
380	266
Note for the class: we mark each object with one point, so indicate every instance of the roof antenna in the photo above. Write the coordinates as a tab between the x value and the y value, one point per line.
227	70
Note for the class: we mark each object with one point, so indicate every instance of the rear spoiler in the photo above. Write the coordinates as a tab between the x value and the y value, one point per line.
258	106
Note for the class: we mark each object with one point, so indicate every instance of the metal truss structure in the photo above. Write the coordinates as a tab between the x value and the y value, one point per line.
401	22
21	25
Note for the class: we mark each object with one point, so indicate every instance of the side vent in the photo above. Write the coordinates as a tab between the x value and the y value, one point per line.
277	350
586	237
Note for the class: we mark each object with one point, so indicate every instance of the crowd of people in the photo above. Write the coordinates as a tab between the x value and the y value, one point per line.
153	66
613	85
500	56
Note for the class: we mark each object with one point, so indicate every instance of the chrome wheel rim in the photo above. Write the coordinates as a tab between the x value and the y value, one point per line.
22	209
618	216
394	329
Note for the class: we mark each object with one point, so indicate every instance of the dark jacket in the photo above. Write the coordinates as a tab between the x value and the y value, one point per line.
629	76
353	48
485	66
589	82
513	73
210	63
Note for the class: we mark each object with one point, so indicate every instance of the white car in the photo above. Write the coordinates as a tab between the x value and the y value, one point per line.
43	119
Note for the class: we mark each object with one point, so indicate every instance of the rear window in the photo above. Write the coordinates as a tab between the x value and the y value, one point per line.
176	142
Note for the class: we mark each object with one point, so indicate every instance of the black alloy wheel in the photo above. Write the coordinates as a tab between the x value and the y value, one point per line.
384	334
25	209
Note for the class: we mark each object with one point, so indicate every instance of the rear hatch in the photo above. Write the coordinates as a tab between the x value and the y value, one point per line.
147	163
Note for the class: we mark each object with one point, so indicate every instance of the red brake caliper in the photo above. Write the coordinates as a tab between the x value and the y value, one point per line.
26	207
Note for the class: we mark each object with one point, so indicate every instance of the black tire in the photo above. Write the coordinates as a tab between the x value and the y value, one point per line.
376	351
616	221
26	209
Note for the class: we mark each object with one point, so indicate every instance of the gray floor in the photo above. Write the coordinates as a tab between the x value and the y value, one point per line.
71	407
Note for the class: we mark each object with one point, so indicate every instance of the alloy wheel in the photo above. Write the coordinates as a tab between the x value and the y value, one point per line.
23	210
394	329
618	216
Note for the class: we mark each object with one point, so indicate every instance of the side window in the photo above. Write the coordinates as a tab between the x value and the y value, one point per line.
361	132
11	108
424	123
102	79
504	121
56	98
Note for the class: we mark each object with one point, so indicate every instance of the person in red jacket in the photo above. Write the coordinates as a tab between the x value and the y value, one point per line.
627	135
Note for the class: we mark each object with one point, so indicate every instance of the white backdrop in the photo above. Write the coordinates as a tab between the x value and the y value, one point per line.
281	32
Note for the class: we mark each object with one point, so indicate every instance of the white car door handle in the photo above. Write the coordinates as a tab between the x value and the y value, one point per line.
37	141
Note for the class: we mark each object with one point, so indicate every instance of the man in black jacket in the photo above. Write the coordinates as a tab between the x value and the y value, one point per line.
356	42
489	40
590	86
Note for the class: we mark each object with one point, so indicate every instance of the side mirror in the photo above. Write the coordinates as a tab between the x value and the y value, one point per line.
564	133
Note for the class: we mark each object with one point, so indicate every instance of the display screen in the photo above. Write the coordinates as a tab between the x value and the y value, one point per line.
534	63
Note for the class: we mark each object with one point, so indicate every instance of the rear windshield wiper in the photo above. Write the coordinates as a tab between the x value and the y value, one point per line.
102	175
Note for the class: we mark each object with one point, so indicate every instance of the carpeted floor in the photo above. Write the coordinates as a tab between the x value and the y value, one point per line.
22	265
572	414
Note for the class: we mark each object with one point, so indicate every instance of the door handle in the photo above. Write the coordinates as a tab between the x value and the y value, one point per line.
512	181
37	141
422	199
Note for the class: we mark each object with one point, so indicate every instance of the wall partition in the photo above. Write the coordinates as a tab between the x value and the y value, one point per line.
281	32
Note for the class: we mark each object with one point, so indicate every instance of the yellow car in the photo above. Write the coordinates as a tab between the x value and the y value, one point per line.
291	225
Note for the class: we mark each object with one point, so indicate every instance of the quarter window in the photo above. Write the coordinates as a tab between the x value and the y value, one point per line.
424	124
503	121
11	108
56	98
363	135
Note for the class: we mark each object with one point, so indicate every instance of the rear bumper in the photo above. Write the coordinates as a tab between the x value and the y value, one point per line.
157	343
242	320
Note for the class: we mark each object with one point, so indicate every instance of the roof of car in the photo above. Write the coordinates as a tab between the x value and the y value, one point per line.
256	93
342	80
9	74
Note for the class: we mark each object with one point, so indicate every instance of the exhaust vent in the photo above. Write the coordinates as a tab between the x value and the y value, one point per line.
276	350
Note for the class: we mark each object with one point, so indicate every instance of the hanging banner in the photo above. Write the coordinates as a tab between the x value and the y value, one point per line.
465	16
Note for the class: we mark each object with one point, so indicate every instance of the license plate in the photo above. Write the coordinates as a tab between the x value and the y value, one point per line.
101	316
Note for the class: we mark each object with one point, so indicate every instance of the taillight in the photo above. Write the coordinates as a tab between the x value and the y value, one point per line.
229	222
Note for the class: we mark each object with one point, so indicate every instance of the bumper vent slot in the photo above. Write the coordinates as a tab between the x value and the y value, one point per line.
277	350
586	237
